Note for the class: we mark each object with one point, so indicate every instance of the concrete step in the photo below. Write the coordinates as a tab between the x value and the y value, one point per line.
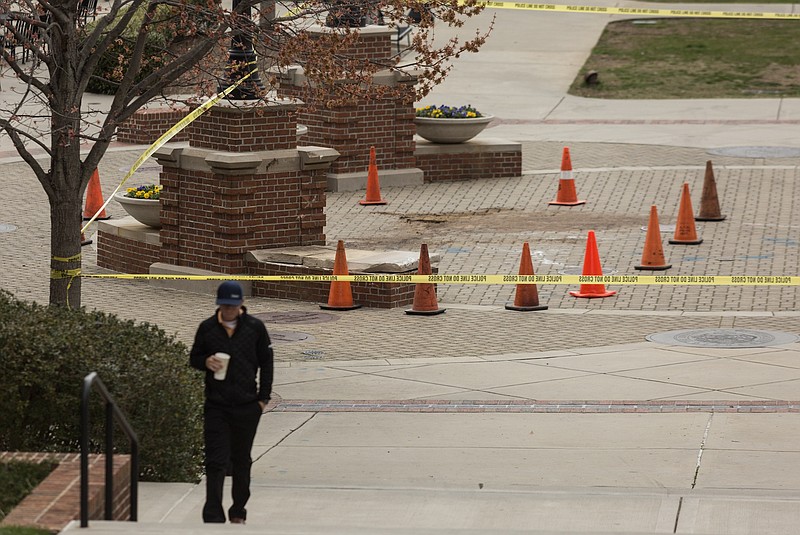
134	528
290	510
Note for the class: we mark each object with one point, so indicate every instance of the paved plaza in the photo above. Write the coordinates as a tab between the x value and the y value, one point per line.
567	420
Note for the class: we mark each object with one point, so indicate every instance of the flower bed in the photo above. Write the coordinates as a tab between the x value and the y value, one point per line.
146	191
448	112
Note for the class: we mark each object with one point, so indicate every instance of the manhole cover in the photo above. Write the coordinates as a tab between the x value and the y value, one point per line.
724	338
757	152
5	227
295	317
289	337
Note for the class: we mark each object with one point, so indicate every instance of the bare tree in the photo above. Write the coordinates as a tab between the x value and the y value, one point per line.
155	46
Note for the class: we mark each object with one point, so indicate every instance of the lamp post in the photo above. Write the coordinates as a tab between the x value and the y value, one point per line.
242	60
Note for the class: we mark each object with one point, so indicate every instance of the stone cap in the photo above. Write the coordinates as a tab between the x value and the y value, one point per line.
473	146
127	227
235	163
357	181
358	260
294	75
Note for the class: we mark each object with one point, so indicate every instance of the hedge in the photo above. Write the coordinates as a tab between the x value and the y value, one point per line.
45	352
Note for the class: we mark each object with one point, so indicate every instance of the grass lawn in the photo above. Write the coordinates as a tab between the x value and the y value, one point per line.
694	58
18	530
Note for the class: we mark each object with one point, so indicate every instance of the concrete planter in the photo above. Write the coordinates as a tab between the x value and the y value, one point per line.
145	211
450	130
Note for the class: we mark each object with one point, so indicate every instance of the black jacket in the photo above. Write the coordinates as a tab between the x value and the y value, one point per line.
250	351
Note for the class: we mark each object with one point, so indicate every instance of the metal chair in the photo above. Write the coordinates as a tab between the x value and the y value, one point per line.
19	33
86	9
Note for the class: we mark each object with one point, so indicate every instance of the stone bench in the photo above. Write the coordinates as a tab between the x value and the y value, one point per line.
318	260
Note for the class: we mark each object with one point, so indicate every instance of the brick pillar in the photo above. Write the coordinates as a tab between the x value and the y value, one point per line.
387	124
241	185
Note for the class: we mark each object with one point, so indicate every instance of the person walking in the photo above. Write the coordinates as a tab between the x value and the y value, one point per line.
234	350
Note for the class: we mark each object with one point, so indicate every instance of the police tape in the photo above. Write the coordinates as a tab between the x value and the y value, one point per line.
610	10
624	280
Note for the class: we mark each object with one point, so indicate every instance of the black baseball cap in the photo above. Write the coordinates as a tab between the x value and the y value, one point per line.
230	293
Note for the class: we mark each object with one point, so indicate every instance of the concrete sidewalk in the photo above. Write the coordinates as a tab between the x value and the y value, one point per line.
451	464
566	420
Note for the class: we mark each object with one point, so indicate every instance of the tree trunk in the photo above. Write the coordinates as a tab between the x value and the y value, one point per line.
65	250
65	177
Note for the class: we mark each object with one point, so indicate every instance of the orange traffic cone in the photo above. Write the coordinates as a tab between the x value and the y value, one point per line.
373	185
425	302
653	254
591	266
709	202
685	231
527	296
94	199
566	196
340	296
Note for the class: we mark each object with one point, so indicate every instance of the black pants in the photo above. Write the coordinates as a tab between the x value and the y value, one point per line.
229	433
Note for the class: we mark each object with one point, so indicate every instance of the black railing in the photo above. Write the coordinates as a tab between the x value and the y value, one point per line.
112	413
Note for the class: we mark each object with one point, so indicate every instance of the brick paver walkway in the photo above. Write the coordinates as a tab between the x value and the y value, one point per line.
479	227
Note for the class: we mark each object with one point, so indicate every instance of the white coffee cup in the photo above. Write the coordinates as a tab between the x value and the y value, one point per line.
225	358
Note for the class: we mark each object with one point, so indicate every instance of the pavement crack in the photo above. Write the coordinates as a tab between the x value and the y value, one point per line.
702	448
554	108
287	435
678	515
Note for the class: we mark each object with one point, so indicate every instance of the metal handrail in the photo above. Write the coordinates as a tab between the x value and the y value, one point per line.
112	413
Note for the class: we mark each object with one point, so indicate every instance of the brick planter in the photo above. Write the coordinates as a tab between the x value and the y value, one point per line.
387	123
148	124
56	501
477	159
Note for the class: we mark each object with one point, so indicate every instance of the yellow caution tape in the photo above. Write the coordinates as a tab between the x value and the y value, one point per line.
623	280
65	259
64	273
603	10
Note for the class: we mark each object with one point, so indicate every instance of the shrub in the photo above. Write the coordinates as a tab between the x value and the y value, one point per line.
45	352
110	68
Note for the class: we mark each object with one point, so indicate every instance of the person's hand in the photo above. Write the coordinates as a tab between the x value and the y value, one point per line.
214	364
263	405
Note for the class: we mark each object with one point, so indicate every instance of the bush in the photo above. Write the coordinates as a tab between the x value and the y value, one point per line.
112	64
45	352
17	480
